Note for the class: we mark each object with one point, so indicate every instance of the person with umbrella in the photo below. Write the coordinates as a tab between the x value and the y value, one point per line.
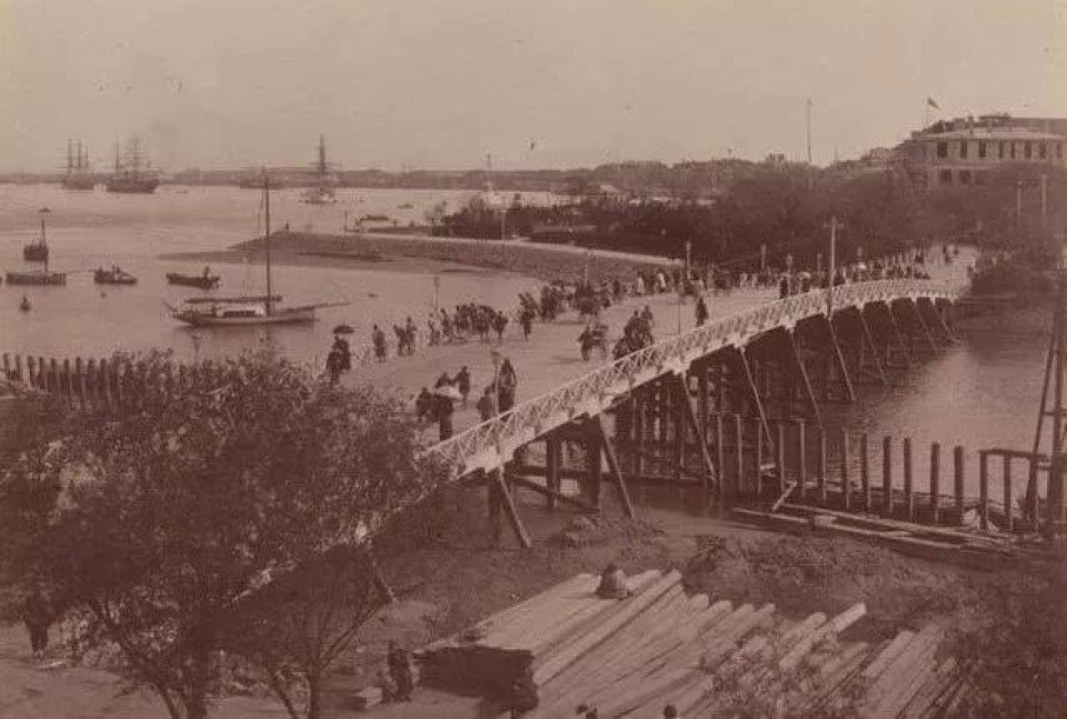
340	344
444	395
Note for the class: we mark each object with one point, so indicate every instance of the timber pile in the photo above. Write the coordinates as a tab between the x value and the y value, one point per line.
634	656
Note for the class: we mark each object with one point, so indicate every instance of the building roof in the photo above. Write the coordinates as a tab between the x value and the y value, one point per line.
996	133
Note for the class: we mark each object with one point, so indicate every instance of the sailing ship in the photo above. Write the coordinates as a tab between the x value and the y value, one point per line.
252	310
38	277
132	172
78	176
37	251
322	193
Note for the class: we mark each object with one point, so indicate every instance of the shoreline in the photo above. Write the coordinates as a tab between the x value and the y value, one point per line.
409	253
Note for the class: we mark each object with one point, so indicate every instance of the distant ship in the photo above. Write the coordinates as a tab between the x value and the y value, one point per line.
78	176
132	174
38	277
322	193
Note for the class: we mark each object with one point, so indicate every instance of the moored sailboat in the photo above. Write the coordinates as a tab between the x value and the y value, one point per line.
37	252
245	311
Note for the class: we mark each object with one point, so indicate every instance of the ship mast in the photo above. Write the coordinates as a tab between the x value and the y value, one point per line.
322	158
266	236
118	161
70	157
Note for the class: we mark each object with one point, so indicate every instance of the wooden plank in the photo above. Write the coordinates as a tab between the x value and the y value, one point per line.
802	462
634	607
697	425
835	626
888	654
560	497
779	456
983	490
820	462
1009	508
504	633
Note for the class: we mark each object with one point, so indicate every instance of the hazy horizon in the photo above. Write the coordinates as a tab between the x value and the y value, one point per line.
395	85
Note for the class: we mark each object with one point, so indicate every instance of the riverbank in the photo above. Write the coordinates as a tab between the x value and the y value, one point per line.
447	575
411	252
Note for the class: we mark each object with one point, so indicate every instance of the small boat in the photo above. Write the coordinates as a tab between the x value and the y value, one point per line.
37	251
25	304
36	277
405	206
114	276
205	281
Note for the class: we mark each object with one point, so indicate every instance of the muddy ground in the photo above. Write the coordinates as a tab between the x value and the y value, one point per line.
447	574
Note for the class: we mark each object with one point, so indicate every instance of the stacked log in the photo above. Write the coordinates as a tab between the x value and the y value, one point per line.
632	657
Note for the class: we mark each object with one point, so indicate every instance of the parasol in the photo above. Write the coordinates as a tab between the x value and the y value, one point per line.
448	391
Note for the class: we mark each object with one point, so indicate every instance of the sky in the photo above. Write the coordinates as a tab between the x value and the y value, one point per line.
439	84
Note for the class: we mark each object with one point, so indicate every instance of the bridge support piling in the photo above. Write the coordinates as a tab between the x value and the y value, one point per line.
865	474
702	402
757	465
779	456
924	329
820	462
846	482
553	459
678	417
18	369
638	441
983	489
505	501
710	476
753	388
593	453
802	461
904	352
601	431
737	486
839	358
798	363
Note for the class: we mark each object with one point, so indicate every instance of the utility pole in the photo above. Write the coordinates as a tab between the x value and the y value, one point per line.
807	116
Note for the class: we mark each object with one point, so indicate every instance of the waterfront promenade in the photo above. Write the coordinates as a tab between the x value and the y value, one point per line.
551	357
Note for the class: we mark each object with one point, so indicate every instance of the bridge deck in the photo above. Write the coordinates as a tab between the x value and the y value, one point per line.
551	357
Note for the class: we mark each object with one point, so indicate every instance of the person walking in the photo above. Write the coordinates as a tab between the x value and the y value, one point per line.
509	382
486	403
463	383
702	311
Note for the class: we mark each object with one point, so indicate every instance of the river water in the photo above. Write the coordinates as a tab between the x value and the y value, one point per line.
981	393
91	229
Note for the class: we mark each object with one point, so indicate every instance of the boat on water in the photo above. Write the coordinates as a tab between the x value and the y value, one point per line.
205	281
113	276
323	191
247	311
78	176
36	277
37	252
132	172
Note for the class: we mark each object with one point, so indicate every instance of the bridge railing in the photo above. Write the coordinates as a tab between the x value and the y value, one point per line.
488	444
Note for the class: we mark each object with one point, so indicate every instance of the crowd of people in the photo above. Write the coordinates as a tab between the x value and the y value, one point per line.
498	396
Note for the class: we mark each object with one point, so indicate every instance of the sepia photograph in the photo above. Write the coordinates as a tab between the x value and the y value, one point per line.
487	359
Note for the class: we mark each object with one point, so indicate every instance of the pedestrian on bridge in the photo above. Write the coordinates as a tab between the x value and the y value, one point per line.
509	382
701	311
463	383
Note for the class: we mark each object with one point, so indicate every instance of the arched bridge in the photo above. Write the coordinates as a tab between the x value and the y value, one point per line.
638	413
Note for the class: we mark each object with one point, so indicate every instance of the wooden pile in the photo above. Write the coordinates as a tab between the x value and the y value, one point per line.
632	657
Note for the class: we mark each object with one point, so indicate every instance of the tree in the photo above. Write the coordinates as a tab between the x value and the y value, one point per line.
297	627
206	485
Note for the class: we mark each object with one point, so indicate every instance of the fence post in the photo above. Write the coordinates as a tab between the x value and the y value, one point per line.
935	482
983	489
909	489
887	476
1009	511
957	484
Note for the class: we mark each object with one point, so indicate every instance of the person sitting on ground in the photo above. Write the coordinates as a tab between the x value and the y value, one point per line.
612	583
